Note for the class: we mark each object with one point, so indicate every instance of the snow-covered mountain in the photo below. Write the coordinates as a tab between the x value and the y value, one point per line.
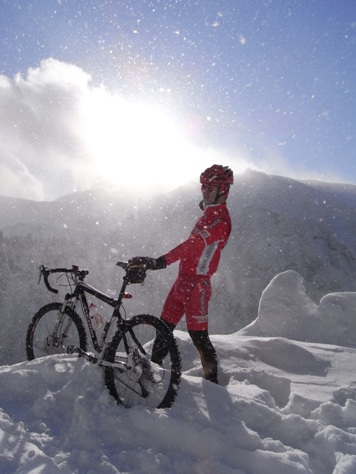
279	224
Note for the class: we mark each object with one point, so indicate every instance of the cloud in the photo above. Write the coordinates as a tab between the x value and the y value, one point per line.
60	133
274	162
36	131
15	179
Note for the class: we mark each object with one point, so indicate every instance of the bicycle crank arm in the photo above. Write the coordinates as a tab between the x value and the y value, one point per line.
114	365
86	355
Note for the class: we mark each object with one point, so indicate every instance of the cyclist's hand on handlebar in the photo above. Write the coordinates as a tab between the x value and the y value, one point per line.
149	262
140	262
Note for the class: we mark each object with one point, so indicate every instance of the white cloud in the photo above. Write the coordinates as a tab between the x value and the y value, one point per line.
36	127
63	133
15	180
274	162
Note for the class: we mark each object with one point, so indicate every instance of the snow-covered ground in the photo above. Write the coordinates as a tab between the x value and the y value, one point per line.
286	403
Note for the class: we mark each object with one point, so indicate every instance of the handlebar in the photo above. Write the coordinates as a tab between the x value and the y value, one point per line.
135	273
45	272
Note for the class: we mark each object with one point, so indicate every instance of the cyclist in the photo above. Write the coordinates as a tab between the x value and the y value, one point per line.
199	257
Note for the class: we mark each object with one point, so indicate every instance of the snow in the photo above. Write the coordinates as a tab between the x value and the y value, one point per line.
286	402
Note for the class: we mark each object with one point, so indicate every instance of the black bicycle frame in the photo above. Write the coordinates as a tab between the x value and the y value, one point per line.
79	294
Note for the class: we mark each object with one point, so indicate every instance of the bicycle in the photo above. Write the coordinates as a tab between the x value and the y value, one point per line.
135	372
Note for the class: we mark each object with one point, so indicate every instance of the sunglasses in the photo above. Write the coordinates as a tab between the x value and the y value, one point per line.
208	188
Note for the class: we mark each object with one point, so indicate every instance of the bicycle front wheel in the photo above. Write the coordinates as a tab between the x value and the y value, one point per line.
138	376
53	332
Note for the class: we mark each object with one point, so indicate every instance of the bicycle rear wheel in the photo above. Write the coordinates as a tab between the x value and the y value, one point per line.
136	379
52	332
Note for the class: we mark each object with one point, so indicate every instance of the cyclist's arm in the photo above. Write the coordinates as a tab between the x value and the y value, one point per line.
196	243
192	248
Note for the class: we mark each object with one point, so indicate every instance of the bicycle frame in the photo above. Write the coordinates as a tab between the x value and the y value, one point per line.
79	294
134	274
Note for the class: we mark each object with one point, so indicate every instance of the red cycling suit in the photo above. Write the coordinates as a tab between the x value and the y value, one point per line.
199	258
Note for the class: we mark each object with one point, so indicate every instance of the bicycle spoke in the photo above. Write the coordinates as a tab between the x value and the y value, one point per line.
144	382
52	332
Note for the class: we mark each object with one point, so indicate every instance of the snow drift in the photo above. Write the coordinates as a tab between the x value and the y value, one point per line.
286	403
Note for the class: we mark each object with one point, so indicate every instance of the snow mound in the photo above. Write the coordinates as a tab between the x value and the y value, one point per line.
285	310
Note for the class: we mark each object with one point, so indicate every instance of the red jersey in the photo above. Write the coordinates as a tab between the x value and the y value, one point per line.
200	253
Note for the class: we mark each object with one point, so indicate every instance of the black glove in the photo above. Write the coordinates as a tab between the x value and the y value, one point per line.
150	263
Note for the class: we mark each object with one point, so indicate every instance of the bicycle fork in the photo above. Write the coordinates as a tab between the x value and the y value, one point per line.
60	331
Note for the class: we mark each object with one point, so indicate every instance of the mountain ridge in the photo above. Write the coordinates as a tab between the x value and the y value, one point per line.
279	224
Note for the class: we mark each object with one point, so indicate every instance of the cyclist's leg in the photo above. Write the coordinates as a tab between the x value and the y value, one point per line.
197	322
160	348
173	308
196	309
207	352
172	313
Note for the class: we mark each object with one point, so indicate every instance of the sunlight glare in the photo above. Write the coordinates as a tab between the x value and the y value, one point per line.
136	144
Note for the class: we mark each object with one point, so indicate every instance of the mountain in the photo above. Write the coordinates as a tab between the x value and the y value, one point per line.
279	224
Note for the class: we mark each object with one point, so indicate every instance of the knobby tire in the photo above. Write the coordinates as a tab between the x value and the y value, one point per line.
158	386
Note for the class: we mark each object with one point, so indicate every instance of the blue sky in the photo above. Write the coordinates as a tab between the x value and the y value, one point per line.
270	83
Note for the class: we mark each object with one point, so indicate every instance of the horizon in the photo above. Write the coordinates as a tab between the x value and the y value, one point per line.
155	193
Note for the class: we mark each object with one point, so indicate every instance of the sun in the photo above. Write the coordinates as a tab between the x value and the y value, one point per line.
134	143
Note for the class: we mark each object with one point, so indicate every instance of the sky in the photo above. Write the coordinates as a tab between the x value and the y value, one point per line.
283	405
147	94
